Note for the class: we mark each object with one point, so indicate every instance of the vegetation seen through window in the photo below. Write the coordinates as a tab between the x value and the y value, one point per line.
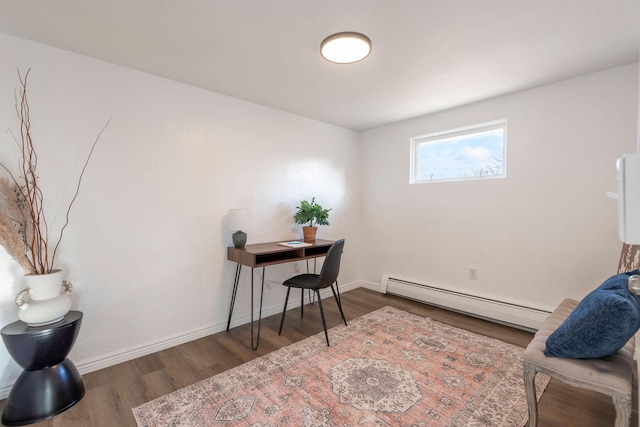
475	152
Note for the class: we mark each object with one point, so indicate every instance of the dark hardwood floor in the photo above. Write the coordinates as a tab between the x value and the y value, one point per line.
112	392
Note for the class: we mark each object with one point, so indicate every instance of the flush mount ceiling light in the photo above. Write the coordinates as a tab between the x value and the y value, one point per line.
345	48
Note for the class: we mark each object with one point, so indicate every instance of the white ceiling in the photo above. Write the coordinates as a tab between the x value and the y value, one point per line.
428	55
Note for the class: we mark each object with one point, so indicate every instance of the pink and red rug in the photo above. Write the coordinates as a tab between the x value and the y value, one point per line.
387	368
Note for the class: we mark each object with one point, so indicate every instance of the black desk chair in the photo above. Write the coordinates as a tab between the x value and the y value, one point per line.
314	282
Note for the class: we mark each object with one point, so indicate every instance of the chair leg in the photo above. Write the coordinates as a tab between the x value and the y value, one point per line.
530	391
339	304
324	323
622	404
302	303
286	300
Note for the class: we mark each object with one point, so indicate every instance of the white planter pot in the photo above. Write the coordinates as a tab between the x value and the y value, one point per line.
45	300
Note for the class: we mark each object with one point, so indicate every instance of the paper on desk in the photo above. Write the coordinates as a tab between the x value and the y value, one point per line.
294	244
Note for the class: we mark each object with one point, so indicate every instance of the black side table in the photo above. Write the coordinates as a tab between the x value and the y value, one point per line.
50	383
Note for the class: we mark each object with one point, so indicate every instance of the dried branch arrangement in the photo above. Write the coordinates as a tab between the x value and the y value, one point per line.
24	232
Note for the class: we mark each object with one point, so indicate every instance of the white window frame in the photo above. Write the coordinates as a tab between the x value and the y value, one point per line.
452	134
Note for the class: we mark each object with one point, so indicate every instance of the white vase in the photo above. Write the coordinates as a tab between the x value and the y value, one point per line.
45	300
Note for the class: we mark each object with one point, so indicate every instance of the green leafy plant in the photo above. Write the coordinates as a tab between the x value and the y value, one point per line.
311	214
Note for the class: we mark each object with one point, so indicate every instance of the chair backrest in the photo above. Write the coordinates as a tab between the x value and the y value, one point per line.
331	266
629	258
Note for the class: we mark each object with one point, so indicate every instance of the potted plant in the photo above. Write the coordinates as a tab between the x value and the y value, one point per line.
312	214
24	232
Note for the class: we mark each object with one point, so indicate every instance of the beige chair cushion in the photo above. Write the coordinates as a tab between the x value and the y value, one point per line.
614	373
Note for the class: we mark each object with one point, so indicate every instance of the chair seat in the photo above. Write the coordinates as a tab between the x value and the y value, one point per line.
303	281
315	282
611	375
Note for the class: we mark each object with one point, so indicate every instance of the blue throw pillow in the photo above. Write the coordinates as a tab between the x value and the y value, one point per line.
601	324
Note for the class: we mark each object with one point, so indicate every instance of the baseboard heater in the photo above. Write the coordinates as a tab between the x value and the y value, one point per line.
519	316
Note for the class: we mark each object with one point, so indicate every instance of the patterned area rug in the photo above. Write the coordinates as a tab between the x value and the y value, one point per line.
387	368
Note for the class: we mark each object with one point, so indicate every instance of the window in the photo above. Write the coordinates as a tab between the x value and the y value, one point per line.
474	152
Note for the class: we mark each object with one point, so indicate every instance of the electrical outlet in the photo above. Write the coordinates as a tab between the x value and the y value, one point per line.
473	273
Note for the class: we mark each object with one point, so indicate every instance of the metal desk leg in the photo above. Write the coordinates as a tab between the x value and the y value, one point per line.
257	341
312	295
233	294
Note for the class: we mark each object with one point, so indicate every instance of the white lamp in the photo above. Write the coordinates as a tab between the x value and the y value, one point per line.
238	219
345	48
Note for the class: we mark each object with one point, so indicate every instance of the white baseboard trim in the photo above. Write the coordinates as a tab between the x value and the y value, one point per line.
4	391
90	365
370	285
124	355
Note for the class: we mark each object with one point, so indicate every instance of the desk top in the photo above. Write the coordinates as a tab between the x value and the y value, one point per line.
263	254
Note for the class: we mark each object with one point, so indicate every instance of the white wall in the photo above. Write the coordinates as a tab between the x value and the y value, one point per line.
146	247
545	232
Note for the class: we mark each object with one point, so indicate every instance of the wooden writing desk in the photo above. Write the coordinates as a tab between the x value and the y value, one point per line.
262	255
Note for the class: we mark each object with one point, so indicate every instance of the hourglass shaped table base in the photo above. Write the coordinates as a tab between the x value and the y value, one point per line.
50	383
